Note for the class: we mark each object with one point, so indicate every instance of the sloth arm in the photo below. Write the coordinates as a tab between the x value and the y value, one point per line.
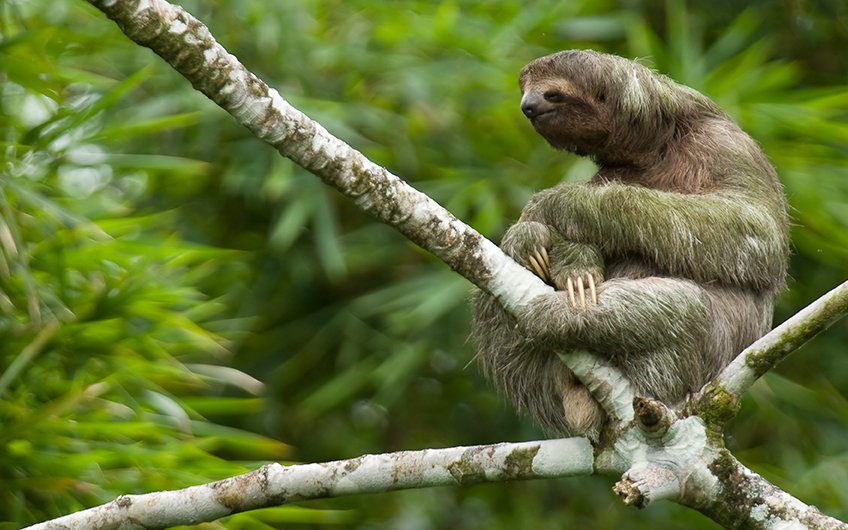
730	236
631	316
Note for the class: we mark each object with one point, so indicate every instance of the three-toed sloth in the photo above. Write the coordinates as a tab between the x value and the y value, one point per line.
666	262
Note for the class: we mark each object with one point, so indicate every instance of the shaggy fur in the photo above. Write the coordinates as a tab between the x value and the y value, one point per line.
684	222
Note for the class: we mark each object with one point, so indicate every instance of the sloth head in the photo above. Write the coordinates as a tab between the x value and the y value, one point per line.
609	108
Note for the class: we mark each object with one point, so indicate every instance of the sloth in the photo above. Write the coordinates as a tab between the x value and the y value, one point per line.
666	262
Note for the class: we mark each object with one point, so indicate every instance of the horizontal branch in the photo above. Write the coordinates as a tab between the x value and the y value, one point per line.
274	484
681	460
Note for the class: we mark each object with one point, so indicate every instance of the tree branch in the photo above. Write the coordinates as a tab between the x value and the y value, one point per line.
747	500
186	44
607	384
765	353
273	484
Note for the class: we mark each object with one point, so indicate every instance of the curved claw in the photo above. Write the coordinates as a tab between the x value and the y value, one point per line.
546	260
537	267
570	285
540	263
577	287
593	293
542	260
581	291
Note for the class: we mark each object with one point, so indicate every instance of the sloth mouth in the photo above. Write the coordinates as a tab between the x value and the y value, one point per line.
542	122
536	117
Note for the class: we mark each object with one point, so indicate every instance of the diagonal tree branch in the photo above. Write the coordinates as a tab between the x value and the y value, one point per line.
273	484
747	500
186	44
608	385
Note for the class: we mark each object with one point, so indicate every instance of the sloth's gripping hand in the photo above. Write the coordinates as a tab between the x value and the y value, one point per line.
575	266
566	265
529	243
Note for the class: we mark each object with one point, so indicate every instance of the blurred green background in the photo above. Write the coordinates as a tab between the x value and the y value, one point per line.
179	304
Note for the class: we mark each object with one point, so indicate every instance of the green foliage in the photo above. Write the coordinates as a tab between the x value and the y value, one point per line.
152	254
111	322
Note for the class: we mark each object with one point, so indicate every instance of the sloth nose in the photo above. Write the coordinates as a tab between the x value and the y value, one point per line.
531	104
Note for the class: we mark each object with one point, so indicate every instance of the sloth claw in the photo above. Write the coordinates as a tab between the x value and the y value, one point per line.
570	286
543	261
592	291
546	259
577	287
537	266
539	261
581	291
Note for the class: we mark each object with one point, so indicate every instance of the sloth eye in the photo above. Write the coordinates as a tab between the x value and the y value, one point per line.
554	96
